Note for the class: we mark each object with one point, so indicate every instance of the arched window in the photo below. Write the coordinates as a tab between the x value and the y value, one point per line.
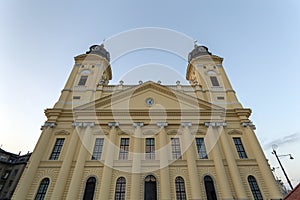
120	189
41	193
150	191
89	189
210	188
254	188
180	188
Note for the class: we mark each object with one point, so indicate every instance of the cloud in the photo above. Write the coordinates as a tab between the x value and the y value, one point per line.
284	140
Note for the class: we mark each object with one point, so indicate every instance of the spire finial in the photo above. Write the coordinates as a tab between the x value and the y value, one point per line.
195	43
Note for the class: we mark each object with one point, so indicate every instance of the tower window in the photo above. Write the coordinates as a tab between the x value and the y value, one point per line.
239	147
214	81
82	80
254	188
180	188
98	149
201	148
89	189
150	149
57	148
124	148
120	189
41	193
176	151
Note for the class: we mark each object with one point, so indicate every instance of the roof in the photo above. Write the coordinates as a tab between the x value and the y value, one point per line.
294	194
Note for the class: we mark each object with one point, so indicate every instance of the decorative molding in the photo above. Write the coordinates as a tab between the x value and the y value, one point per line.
235	132
162	124
83	124
62	132
48	124
248	124
136	124
186	124
215	124
113	124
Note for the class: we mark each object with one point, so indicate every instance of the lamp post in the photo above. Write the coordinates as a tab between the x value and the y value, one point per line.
277	156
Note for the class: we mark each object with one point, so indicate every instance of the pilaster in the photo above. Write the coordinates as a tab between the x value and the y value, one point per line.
191	161
164	162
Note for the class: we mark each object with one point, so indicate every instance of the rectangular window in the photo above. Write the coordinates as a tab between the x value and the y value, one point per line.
214	81
82	80
176	151
150	149
57	148
239	147
5	175
124	148
201	148
98	149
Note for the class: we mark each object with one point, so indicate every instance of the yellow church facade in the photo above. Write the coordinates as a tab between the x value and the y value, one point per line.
147	141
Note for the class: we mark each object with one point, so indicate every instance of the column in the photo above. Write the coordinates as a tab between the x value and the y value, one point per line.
32	166
211	142
62	177
73	191
108	165
164	162
136	162
263	165
191	161
233	168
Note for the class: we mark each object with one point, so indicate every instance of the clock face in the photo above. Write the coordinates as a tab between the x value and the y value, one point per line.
149	101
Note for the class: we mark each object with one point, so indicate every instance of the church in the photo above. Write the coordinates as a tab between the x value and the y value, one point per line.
147	141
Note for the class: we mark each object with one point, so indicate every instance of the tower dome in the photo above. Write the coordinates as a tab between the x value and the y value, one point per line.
99	50
198	51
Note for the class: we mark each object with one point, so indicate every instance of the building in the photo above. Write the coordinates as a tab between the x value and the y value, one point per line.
11	169
294	194
148	141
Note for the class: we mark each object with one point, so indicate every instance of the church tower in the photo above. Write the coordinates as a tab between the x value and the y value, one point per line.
147	141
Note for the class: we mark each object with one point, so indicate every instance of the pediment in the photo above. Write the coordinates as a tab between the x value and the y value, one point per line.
136	99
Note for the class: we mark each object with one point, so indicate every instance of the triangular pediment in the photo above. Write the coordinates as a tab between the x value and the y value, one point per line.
136	99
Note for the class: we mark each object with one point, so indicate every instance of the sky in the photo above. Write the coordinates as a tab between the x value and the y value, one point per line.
259	41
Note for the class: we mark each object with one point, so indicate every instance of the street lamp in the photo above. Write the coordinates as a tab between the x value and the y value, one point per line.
277	156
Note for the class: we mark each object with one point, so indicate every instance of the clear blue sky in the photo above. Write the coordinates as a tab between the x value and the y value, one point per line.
259	41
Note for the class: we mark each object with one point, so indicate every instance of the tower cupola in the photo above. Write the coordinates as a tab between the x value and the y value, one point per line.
99	50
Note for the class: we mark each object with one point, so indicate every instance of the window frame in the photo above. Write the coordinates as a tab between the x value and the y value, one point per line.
42	190
120	189
210	188
214	81
90	185
124	148
82	80
254	187
176	149
201	148
150	149
240	147
180	188
98	148
56	150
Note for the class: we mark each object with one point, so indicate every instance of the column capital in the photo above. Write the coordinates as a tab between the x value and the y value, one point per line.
162	124
249	124
83	124
186	124
138	124
113	124
215	124
48	124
